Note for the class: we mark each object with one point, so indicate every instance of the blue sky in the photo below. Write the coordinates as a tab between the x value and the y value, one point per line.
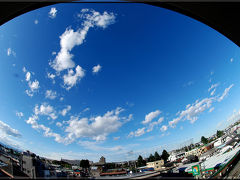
119	80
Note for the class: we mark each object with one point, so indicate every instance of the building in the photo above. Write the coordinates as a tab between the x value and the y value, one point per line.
193	152
157	165
33	166
102	160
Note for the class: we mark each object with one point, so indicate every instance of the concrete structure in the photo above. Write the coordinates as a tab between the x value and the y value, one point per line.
157	165
192	152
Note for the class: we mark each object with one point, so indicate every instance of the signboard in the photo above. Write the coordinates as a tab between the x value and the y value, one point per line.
196	170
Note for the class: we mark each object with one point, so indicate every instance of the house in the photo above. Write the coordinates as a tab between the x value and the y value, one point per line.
157	165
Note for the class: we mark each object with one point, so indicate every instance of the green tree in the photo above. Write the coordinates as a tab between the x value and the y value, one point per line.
140	161
84	163
165	155
204	140
151	158
157	156
219	133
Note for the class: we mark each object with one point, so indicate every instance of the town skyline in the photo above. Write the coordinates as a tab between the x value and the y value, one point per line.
93	80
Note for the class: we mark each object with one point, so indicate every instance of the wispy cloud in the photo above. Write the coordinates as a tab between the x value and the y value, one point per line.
5	129
50	94
65	110
52	13
35	21
10	51
193	111
19	114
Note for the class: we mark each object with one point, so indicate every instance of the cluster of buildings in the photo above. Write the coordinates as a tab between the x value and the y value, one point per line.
210	157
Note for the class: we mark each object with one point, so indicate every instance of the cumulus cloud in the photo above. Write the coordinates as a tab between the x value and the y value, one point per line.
19	114
94	128
149	117
52	13
138	132
65	110
70	38
50	94
231	60
5	129
96	69
35	21
46	110
72	78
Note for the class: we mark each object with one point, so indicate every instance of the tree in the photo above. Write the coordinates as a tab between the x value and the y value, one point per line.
84	163
219	133
151	158
204	140
157	156
165	155
140	161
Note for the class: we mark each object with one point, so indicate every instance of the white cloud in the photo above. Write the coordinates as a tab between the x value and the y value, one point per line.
225	93
28	76
54	53
210	110
213	86
59	124
149	117
35	21
137	133
50	94
231	60
96	69
164	128
65	110
192	111
70	38
46	110
11	52
213	92
33	85
71	79
24	69
94	128
140	132
52	13
19	114
52	77
6	130
61	98
47	131
86	109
